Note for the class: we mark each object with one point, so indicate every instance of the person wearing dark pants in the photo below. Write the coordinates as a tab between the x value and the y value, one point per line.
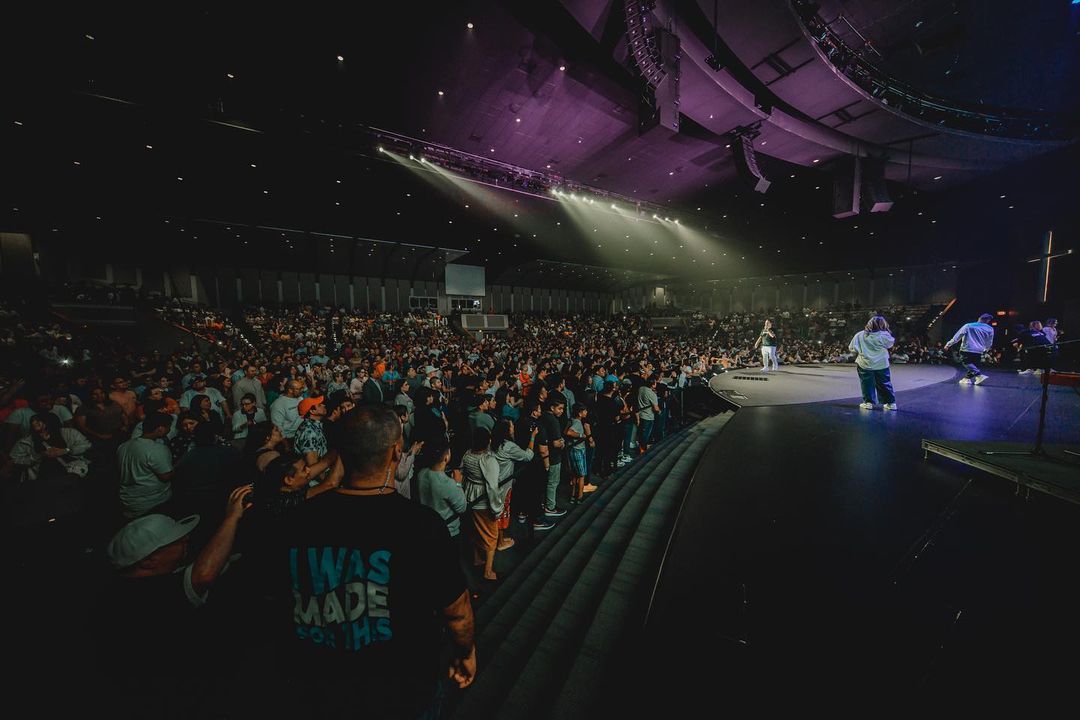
648	408
974	338
605	430
871	346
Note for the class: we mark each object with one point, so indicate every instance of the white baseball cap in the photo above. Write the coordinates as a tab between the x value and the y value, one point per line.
142	536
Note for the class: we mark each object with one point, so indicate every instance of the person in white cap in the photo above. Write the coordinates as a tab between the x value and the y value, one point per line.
155	546
148	618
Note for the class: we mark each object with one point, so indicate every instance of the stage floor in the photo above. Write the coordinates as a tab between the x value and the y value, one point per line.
793	384
819	556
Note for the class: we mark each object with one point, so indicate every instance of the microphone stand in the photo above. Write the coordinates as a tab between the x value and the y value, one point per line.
1038	450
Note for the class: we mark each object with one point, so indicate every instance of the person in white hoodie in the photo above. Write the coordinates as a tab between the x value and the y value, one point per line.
871	348
974	338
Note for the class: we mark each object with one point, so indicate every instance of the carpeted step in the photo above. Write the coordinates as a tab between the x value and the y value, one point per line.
628	546
509	640
621	611
511	584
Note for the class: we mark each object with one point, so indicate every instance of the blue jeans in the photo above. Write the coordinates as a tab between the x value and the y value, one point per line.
645	433
876	381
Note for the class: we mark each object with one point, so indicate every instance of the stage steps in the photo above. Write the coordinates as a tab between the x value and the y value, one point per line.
544	636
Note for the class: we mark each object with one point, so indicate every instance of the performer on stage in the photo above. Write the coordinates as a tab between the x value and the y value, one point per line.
871	348
1033	337
975	338
767	341
1050	329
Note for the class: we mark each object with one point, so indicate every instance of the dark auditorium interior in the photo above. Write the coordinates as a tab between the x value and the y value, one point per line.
540	359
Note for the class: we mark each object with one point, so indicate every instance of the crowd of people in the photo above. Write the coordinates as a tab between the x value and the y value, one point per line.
312	439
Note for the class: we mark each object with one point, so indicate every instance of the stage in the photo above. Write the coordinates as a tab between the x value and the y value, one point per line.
815	383
818	553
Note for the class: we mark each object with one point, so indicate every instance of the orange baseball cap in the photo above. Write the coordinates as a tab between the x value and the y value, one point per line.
305	405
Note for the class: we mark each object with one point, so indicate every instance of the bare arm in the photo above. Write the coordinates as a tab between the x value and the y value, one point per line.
333	479
459	623
213	557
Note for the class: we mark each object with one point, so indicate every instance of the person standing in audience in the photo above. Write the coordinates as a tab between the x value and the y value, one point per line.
18	420
247	416
509	454
196	371
356	385
480	414
401	397
373	390
551	444
249	384
199	387
576	445
284	411
364	540
605	430
310	439
50	452
146	469
120	392
202	409
486	500
648	406
285	484
974	339
438	490
102	421
148	610
871	347
430	423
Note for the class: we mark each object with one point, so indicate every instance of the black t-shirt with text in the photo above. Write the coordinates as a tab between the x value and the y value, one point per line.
369	576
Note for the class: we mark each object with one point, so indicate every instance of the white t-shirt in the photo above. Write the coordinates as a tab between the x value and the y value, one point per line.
22	417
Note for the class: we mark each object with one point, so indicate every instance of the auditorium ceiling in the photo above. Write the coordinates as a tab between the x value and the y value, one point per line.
216	116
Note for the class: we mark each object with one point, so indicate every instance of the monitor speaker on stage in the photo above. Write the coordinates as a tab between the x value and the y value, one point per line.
847	188
747	165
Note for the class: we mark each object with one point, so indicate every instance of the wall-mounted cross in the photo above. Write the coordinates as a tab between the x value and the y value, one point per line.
1044	261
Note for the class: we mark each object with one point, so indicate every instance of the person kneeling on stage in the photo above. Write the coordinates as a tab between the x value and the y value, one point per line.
975	339
871	348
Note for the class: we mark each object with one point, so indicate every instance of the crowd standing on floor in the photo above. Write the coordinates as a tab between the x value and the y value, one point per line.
273	434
